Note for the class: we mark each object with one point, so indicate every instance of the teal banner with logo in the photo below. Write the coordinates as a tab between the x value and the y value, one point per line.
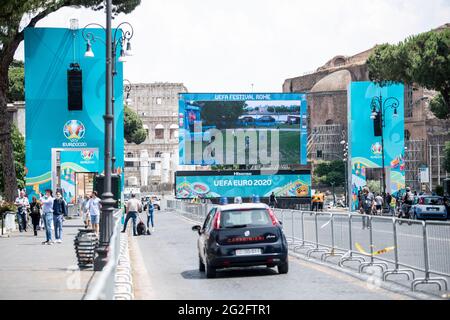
365	148
244	185
50	126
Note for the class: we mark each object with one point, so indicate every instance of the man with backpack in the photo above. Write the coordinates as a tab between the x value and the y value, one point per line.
408	201
133	207
368	203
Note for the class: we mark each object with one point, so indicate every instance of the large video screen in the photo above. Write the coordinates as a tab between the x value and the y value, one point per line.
248	128
246	184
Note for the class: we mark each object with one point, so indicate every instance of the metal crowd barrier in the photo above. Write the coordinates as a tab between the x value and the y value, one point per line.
104	286
417	250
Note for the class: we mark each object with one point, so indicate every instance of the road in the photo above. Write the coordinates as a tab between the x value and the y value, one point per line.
170	268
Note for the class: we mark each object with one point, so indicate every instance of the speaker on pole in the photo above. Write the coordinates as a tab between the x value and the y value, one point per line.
75	87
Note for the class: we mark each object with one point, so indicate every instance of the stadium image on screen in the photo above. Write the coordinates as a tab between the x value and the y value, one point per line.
242	128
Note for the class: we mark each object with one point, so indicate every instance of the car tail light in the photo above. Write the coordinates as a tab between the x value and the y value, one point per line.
216	223
272	217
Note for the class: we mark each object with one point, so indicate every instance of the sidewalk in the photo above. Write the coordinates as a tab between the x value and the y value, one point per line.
30	270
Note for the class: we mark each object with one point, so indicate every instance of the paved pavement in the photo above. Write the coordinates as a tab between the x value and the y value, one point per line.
30	270
167	263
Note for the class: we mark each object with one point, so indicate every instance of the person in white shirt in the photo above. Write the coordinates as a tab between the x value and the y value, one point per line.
22	204
47	208
133	207
379	204
93	206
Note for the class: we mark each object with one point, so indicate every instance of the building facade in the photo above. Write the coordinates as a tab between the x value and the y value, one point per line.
425	135
151	165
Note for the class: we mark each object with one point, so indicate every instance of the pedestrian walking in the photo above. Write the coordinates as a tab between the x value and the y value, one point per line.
272	200
93	208
392	205
321	200
408	201
59	211
379	204
85	213
315	201
23	205
368	204
133	207
35	208
47	209
150	219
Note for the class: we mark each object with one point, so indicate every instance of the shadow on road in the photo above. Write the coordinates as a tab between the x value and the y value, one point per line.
231	273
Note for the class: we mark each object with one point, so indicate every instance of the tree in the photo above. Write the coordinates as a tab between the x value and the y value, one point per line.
438	107
16	89
423	59
18	142
133	126
221	114
15	16
330	172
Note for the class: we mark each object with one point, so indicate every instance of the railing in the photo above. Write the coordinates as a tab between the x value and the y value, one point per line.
417	250
104	286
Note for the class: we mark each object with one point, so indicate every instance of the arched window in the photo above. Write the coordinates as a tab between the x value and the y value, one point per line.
130	155
158	154
329	122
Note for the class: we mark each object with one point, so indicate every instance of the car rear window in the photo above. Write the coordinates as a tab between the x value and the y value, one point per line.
433	201
245	218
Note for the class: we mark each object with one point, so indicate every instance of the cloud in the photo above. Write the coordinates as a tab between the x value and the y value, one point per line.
226	46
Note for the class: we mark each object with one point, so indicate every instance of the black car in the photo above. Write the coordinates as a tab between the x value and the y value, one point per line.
241	235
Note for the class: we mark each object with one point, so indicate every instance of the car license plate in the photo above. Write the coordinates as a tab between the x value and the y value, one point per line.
248	252
432	209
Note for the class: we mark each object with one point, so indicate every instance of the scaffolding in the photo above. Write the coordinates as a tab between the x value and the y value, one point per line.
415	158
436	155
324	143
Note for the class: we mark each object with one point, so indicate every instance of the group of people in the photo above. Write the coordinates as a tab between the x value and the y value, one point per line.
89	210
49	211
370	204
133	208
317	201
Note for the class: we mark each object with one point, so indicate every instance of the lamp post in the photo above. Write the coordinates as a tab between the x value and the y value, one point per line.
108	202
345	159
124	52
379	109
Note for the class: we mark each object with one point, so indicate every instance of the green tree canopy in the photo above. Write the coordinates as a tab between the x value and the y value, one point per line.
133	126
16	90
330	172
423	59
439	108
221	114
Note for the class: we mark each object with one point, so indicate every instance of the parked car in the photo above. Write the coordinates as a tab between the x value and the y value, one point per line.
241	235
428	207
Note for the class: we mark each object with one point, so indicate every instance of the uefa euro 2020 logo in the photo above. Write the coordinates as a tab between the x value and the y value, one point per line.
87	155
377	148
74	130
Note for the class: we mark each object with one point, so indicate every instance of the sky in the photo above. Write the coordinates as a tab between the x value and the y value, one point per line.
254	45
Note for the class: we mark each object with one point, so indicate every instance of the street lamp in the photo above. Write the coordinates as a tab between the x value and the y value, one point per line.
379	108
108	202
124	52
344	145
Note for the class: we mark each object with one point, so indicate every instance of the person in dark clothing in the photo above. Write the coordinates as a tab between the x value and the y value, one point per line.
59	211
272	200
35	214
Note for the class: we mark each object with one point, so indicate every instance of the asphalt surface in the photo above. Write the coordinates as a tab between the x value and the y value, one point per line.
32	271
169	267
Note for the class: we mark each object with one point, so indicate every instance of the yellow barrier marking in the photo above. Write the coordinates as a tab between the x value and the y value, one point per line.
385	250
